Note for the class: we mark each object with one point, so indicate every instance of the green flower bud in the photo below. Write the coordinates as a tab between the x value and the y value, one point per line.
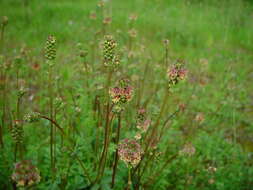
50	48
5	21
108	51
17	132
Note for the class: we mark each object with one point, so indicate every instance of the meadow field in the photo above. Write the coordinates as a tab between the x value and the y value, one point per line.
126	94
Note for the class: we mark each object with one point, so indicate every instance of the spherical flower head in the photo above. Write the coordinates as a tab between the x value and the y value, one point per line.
50	48
5	21
122	93
25	174
176	73
130	152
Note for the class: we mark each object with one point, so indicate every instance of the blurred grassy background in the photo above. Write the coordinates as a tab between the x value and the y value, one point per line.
215	37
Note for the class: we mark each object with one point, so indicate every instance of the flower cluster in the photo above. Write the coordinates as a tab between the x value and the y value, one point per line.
25	174
109	52
50	48
176	73
121	94
130	152
142	122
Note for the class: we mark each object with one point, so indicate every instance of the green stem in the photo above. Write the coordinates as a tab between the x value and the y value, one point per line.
2	37
129	183
107	128
50	92
116	159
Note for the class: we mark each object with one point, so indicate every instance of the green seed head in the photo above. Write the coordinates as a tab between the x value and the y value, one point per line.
109	50
50	48
17	132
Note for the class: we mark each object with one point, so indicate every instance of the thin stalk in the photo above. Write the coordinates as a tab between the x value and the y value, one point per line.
17	113
97	116
54	123
50	92
1	136
116	158
142	83
107	146
163	108
129	183
2	37
107	126
54	131
3	110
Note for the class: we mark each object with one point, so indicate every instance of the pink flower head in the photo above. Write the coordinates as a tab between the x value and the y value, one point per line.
172	73
130	151
176	72
121	94
25	173
115	94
